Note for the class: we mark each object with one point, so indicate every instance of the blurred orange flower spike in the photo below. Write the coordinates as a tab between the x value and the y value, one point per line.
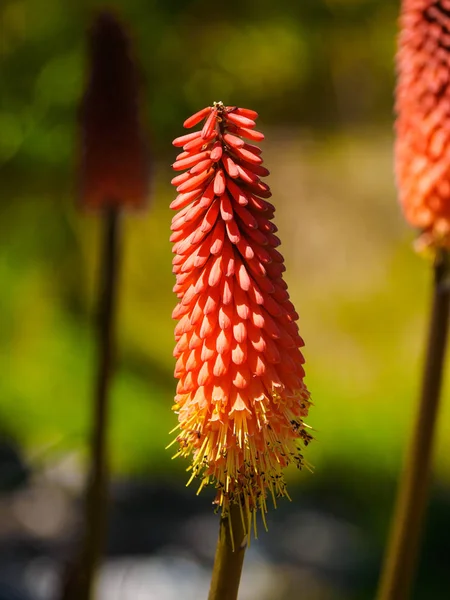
114	161
422	153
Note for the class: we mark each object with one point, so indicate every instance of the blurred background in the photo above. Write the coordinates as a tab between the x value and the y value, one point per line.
321	75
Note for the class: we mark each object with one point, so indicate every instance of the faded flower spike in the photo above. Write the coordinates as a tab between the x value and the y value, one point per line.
114	165
241	399
423	123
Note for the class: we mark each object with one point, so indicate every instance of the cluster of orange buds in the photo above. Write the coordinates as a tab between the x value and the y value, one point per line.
422	151
241	399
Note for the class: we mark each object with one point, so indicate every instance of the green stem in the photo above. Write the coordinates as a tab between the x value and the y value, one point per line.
229	557
80	581
403	548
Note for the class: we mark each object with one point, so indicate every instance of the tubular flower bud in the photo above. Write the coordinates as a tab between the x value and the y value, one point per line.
114	160
423	119
241	398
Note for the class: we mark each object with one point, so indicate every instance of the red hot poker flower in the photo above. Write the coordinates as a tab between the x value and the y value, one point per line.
423	123
114	162
241	399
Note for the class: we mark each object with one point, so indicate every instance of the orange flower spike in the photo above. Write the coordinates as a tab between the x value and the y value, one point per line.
241	399
423	119
114	165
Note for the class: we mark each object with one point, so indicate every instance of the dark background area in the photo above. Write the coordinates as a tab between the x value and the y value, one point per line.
321	75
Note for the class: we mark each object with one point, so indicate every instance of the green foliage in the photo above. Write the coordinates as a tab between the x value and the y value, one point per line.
320	62
313	65
361	301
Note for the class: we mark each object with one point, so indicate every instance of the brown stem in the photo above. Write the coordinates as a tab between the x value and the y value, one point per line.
81	576
403	548
229	557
